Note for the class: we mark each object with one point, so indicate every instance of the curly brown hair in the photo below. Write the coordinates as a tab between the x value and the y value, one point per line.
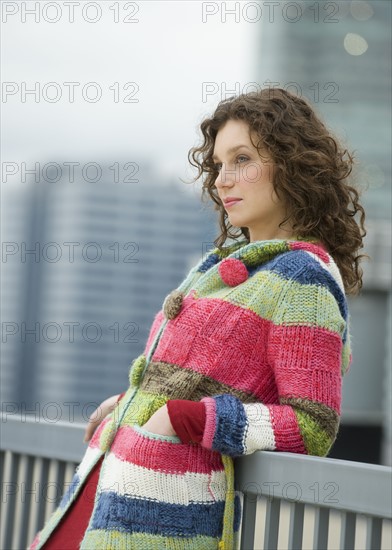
311	174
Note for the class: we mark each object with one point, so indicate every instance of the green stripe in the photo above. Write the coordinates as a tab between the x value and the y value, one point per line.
212	285
115	540
346	354
316	440
326	418
228	249
253	254
297	301
142	407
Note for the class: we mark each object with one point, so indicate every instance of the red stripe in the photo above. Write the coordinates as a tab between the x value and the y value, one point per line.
302	361
286	430
225	342
210	426
307	363
174	458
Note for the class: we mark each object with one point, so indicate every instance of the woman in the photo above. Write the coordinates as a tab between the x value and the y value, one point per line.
246	354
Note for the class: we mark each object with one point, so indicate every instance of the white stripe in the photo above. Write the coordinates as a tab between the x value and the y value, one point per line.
259	434
332	268
87	461
125	478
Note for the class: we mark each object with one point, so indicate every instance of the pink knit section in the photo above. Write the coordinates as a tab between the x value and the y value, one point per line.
233	353
317	249
232	271
307	363
165	456
209	430
286	430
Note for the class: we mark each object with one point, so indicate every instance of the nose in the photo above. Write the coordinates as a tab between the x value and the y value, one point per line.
226	177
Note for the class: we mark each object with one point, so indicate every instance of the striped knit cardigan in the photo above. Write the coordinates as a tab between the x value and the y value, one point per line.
259	332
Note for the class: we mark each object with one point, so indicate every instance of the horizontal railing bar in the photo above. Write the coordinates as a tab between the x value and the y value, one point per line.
339	484
333	483
60	440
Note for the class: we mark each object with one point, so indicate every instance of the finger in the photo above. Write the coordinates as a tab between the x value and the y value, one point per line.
87	435
90	429
98	415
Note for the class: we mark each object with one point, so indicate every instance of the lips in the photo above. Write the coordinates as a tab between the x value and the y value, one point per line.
231	200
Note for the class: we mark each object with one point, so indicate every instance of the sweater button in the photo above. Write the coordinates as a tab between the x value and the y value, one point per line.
172	304
136	370
233	272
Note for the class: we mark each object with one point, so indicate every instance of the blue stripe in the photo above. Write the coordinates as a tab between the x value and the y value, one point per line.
135	515
70	491
297	265
211	260
231	424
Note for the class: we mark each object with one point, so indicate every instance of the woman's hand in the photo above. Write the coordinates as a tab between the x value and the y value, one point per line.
99	414
159	423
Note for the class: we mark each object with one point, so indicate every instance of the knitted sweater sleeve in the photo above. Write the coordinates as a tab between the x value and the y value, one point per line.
308	350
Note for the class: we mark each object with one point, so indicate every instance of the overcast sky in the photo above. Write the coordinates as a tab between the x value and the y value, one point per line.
169	53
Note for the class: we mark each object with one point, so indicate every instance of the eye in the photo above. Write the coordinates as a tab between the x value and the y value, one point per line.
242	157
217	166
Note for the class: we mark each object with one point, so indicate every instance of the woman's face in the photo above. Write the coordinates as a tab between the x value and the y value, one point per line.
245	176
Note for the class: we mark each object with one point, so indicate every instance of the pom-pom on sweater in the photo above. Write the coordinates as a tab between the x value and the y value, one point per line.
259	334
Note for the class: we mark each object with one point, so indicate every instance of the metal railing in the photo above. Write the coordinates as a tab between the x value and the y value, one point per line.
289	501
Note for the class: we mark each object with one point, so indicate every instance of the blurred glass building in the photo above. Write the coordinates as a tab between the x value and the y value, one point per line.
337	54
86	266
